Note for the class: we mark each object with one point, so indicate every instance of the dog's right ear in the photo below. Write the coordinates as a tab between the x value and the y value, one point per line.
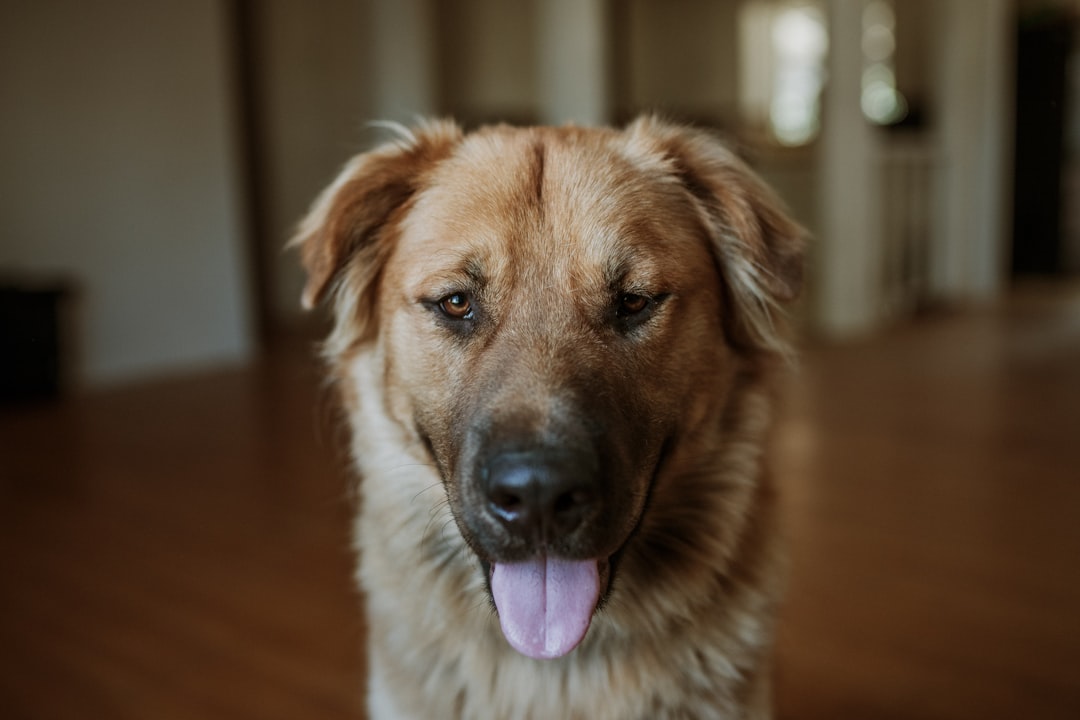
343	234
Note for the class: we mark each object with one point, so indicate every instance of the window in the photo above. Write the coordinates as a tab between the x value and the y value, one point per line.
783	47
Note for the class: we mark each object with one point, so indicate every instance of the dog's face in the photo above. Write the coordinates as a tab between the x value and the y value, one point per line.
556	309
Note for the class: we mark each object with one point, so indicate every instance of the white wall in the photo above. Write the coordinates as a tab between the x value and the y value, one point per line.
118	171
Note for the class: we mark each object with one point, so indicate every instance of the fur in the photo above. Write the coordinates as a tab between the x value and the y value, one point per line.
546	228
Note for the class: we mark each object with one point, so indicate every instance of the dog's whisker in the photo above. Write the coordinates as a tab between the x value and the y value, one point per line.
434	515
410	466
433	486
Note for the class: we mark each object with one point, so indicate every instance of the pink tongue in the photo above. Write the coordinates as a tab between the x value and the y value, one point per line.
545	604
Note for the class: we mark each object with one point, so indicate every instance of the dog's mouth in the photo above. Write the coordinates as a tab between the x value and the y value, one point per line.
546	604
547	576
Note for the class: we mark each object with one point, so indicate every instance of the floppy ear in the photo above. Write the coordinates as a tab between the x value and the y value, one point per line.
759	249
342	240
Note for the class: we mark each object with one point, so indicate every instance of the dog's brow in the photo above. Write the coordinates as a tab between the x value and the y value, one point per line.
620	266
473	269
461	270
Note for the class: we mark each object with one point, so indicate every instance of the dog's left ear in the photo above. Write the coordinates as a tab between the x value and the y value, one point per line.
759	248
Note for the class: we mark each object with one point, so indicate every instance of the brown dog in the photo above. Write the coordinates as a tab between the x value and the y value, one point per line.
554	346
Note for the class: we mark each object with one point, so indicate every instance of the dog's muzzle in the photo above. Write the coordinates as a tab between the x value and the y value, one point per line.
542	509
546	497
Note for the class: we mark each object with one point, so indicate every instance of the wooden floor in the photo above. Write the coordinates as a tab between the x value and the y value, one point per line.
180	549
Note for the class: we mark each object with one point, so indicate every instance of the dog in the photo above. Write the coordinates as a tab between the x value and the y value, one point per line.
557	349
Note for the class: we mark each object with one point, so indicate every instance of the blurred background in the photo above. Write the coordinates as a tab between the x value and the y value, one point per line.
157	155
157	392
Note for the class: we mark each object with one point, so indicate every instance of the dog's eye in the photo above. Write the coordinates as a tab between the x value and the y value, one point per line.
631	304
456	306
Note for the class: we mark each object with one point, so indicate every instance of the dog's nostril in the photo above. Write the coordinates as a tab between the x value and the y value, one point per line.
506	502
567	501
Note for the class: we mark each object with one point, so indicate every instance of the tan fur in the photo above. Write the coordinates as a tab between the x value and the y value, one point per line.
546	215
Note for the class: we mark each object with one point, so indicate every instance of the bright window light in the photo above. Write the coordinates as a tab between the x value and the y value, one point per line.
783	46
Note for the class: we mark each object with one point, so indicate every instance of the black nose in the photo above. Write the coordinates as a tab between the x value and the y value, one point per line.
541	495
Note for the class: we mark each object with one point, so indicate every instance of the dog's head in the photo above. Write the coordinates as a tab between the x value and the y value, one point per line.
559	311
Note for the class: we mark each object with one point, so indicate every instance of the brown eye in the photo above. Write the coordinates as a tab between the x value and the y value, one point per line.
456	306
630	304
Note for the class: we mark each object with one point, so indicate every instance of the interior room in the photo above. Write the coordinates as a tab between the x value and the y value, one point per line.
175	491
